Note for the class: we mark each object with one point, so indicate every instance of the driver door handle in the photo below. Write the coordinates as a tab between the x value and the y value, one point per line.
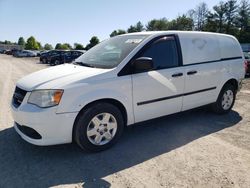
191	72
177	75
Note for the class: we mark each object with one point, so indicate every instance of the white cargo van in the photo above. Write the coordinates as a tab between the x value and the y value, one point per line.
124	80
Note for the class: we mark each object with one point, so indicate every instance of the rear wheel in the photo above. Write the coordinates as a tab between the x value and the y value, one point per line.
99	127
225	100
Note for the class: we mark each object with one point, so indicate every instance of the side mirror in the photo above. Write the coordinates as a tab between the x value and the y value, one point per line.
143	64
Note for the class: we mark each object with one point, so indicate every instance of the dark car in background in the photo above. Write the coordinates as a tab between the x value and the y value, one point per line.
45	57
2	51
247	62
65	57
10	52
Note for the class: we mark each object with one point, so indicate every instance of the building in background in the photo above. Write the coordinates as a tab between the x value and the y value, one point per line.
10	47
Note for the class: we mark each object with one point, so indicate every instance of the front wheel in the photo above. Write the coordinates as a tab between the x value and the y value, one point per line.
99	127
225	100
57	62
44	61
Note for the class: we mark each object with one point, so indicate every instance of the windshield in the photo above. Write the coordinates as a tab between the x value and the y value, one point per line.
111	52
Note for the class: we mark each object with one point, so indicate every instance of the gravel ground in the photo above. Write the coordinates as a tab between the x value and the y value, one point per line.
191	149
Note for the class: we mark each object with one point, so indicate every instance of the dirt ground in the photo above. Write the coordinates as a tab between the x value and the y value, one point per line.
191	149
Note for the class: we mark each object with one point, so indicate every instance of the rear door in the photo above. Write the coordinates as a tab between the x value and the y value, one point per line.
159	92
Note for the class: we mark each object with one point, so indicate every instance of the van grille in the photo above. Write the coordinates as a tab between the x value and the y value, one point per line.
18	97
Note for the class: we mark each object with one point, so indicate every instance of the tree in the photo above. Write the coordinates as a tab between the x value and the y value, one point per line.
157	25
64	46
191	15
31	44
182	23
21	41
231	10
138	27
69	47
39	45
243	22
117	32
199	16
7	42
93	41
58	46
211	24
48	46
219	16
78	46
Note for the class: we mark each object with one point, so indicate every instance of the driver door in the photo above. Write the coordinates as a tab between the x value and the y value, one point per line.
158	92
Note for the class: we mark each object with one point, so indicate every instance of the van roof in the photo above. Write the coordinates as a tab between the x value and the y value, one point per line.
176	32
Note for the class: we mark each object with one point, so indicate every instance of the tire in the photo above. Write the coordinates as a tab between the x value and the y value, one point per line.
44	61
92	132
57	62
225	100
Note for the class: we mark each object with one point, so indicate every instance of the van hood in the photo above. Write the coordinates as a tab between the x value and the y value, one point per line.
57	76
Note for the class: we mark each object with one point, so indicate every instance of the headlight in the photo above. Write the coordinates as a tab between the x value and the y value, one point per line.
45	98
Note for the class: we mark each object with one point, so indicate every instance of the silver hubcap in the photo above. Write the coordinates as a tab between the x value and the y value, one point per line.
227	99
102	129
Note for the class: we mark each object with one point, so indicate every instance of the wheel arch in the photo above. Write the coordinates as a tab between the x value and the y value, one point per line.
115	102
232	82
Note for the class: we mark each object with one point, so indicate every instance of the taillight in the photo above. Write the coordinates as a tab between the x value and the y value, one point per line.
245	65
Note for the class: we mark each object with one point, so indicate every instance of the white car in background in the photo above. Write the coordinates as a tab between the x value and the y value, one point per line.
124	80
25	53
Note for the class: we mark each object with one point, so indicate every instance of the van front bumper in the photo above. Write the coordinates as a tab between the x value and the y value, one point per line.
43	126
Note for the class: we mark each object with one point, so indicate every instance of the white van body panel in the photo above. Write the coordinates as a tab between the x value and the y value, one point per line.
216	59
162	85
81	94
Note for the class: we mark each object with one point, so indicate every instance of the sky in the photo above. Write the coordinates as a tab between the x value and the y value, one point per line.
61	21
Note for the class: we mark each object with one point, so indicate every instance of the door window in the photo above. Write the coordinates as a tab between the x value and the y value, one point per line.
163	52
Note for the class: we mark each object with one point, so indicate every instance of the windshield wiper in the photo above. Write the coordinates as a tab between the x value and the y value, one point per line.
84	64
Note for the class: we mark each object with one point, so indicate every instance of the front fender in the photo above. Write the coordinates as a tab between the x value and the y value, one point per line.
76	98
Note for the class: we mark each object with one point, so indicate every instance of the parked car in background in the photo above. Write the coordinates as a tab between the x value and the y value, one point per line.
11	52
24	53
2	51
45	57
8	52
247	62
65	57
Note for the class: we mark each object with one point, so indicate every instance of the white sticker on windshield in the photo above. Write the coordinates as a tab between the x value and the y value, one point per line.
133	41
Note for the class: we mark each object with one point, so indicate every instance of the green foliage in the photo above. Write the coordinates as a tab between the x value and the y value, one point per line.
78	46
69	47
64	46
7	42
40	46
157	25
181	23
31	44
243	22
21	41
48	46
117	32
58	46
93	41
138	27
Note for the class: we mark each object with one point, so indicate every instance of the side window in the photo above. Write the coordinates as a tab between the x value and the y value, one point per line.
163	52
